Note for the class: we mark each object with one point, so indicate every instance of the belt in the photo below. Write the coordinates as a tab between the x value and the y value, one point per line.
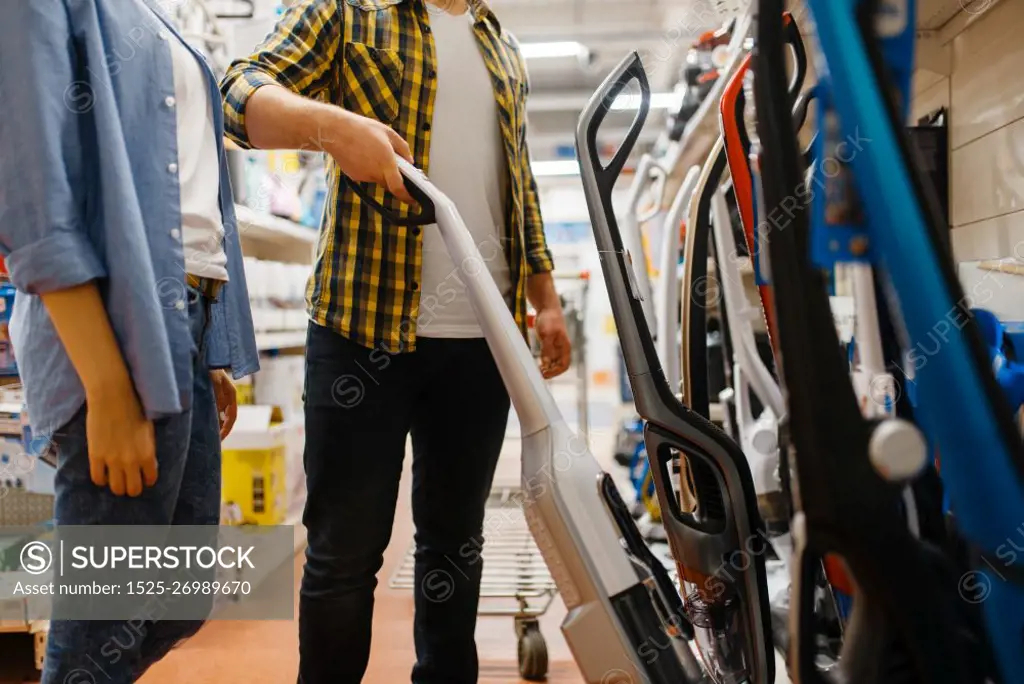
208	287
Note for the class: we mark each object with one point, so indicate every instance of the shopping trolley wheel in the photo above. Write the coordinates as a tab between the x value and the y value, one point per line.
533	650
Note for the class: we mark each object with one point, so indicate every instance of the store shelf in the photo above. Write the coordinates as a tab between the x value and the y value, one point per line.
292	339
254	225
702	130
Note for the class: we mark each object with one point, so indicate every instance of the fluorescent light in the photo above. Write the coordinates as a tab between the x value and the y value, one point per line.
549	50
567	167
658	101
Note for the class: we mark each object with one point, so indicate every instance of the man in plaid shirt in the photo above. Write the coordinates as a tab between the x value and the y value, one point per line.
394	347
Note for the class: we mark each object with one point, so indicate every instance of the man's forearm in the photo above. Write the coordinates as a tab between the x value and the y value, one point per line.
278	119
540	290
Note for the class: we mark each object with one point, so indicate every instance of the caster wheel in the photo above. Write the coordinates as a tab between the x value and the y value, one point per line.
533	652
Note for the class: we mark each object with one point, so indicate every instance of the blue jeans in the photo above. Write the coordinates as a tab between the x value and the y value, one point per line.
186	493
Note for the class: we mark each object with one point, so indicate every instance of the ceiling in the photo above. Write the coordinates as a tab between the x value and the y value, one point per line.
660	30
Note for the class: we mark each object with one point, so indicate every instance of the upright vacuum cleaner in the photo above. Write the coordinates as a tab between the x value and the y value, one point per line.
906	625
625	623
720	545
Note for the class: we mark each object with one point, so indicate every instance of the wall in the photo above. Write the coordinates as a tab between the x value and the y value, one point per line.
974	69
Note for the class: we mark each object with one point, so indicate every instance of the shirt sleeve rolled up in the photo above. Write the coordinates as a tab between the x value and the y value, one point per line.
298	55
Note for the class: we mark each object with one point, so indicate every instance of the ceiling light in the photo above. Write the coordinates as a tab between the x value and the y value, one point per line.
658	101
550	50
567	167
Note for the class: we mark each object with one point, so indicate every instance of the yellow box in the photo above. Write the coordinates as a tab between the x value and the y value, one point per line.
253	477
246	394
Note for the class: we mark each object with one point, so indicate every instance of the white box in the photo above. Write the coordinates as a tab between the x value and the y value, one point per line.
279	382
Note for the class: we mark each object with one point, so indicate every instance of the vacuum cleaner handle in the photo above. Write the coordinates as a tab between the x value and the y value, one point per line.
800	110
426	216
791	36
605	176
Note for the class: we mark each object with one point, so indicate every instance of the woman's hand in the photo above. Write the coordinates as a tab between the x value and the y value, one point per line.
122	451
227	400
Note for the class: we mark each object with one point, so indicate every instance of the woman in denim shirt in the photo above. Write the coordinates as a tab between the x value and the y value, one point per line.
118	228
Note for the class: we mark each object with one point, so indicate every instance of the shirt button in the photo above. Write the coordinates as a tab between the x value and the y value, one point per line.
432	73
175	233
416	230
180	305
415	286
163	34
172	168
426	125
170	101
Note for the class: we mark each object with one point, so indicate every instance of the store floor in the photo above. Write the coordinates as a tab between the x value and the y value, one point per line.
267	653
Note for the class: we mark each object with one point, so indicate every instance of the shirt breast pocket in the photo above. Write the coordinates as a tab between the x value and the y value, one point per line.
373	81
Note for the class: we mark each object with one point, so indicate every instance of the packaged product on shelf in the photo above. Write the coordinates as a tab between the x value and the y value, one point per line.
245	392
8	364
254	469
279	383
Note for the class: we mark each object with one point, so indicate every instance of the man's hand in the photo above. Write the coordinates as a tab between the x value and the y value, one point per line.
122	451
227	400
365	150
556	350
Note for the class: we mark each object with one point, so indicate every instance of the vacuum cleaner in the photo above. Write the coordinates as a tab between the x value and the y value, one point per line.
720	545
625	620
851	469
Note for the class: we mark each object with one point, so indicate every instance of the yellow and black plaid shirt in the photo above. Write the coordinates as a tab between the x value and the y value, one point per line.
376	58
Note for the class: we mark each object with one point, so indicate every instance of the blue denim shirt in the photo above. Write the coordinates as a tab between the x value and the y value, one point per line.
89	191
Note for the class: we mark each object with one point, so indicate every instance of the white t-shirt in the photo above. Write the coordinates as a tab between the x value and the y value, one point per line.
467	163
202	227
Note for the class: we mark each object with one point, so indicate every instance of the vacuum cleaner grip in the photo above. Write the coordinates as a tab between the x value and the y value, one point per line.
426	216
605	176
791	36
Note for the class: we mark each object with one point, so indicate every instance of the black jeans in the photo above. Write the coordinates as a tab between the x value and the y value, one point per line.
361	405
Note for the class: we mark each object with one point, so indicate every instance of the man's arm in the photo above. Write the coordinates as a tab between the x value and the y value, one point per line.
556	349
271	100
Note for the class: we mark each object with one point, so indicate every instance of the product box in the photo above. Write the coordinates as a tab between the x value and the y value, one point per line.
8	365
245	392
254	480
10	420
279	383
16	467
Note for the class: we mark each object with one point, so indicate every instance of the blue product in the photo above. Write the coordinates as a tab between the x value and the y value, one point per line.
960	407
